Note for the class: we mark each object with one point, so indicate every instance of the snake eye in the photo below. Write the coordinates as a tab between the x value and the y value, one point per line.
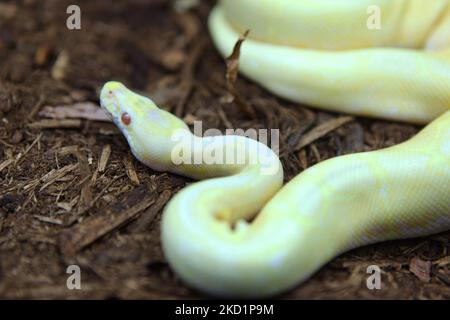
126	118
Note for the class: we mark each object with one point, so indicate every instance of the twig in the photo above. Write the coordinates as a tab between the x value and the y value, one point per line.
56	123
21	157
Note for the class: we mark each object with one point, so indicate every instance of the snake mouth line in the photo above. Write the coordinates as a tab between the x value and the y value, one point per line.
107	112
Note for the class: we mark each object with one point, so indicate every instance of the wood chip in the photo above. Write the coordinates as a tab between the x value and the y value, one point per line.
85	174
72	219
68	150
55	123
42	54
131	172
106	220
5	164
421	269
189	119
54	175
303	159
48	219
104	157
60	66
442	262
321	130
66	206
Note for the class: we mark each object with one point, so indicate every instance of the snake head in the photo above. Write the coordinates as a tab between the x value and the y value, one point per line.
124	106
147	128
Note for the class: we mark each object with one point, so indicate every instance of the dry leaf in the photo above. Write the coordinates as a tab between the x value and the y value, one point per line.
233	60
55	123
232	63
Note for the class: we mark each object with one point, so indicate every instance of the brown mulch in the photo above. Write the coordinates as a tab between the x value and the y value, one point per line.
71	193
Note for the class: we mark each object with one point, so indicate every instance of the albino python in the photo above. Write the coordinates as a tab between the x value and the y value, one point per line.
336	205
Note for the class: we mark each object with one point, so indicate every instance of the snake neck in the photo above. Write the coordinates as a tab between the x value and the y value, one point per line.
240	165
218	156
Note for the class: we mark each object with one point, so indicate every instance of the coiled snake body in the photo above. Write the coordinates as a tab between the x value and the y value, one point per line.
336	205
400	72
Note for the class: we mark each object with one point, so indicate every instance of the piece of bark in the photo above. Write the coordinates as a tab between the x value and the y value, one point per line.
146	219
421	269
131	171
80	110
104	157
55	123
106	220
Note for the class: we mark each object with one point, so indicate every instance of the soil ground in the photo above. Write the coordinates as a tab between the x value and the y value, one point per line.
60	204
